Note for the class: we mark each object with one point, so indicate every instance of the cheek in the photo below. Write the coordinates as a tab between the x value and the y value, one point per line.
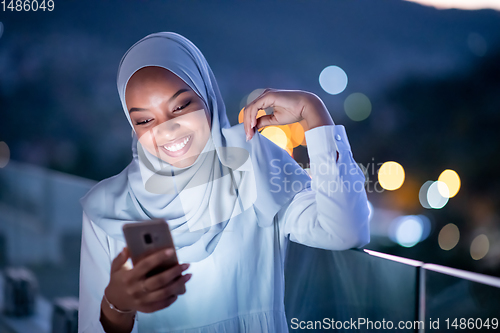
203	129
146	139
198	122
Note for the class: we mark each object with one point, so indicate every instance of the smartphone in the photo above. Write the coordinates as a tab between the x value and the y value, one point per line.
146	237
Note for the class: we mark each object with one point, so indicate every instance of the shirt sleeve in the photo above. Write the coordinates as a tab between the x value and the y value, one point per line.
333	214
95	268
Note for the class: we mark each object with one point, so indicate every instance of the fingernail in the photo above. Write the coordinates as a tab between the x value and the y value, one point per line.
184	266
169	252
187	277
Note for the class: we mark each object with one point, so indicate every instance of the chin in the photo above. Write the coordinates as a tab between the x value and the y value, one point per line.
183	163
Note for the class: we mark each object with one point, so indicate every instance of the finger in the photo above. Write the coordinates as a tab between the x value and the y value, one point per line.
153	260
120	260
247	121
265	101
165	278
170	300
250	113
176	288
153	307
267	120
255	106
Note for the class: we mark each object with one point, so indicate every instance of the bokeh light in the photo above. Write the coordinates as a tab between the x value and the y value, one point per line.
407	230
303	123
477	44
243	101
286	129
422	194
286	136
435	199
276	135
452	181
409	233
254	94
391	175
241	115
479	247
448	237
357	106
297	134
333	80
4	154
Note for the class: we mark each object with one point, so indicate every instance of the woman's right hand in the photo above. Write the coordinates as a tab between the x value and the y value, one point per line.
130	289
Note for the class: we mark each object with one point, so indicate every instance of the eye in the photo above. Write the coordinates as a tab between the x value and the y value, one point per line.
143	122
182	107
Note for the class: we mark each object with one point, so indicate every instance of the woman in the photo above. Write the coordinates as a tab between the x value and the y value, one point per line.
232	198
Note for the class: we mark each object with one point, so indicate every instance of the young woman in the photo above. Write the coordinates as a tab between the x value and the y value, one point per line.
232	198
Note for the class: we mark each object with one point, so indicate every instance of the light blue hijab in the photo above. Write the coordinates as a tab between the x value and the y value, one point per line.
228	178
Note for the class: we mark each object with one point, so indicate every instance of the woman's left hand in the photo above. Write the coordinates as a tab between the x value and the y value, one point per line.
289	106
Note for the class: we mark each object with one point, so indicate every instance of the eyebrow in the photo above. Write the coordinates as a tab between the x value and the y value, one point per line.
174	96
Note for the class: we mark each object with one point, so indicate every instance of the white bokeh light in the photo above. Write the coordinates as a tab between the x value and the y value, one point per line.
422	194
333	80
409	230
434	197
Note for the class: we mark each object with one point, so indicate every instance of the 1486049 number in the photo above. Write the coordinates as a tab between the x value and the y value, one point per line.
27	5
472	324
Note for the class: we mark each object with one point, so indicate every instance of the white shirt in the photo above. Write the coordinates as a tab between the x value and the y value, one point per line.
240	286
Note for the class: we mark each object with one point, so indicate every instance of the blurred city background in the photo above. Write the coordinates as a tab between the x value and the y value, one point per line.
416	87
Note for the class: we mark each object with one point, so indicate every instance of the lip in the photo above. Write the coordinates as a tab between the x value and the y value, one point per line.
179	152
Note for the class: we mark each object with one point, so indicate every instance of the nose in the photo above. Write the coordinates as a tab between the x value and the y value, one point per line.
167	130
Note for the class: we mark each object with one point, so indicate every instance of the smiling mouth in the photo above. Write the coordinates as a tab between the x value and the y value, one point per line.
179	147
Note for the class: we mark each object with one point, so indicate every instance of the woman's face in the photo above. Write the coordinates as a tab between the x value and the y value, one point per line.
171	121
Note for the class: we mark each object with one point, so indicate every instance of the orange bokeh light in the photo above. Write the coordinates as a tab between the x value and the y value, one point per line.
297	134
260	113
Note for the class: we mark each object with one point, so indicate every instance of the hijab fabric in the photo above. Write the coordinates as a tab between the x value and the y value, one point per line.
231	176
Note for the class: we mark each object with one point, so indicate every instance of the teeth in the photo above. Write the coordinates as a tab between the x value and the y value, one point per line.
178	146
